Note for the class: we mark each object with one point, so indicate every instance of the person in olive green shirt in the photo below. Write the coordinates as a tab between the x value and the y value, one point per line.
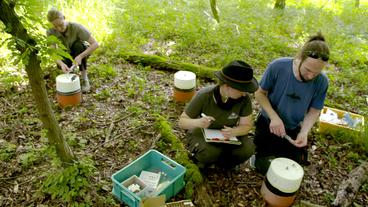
226	106
74	37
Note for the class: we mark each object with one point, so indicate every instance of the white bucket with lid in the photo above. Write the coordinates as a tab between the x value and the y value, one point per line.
282	181
68	89
184	85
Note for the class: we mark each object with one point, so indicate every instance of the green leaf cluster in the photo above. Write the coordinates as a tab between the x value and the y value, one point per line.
7	150
70	184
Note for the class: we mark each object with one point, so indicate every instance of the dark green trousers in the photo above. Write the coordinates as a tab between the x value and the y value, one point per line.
223	155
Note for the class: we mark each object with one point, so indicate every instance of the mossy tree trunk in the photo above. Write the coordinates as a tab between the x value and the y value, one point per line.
32	66
357	2
214	10
280	4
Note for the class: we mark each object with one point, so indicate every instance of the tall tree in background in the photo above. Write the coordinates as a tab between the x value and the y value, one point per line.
357	2
214	10
26	45
280	4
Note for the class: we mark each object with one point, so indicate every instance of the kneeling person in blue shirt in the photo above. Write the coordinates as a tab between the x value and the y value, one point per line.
291	93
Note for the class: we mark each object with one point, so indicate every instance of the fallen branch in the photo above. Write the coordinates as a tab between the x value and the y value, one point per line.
163	63
107	138
350	186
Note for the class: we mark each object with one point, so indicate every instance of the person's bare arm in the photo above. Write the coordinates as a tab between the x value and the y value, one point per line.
245	124
185	122
277	125
308	122
93	45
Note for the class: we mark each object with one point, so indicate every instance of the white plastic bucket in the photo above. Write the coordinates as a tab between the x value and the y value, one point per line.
184	85
281	183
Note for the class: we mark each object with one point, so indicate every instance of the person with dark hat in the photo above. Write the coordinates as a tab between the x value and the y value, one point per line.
291	93
226	106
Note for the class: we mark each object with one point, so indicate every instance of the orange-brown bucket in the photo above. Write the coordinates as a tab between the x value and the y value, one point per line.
69	99
281	183
184	86
68	90
182	95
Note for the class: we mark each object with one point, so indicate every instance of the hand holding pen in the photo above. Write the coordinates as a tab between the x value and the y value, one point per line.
205	120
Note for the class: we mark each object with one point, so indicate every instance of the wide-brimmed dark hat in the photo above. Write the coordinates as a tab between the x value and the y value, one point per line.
238	75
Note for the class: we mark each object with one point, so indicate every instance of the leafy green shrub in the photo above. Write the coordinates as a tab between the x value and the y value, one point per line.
103	71
103	95
70	184
30	158
7	151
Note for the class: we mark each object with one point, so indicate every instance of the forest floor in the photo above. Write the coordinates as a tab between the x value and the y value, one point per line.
114	125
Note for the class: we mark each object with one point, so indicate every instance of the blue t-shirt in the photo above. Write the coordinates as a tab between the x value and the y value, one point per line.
289	97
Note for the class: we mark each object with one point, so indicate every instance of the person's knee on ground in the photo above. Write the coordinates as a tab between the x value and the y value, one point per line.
241	154
209	155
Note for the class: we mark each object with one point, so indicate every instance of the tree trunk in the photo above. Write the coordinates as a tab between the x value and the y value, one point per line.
347	189
35	76
280	4
214	10
357	2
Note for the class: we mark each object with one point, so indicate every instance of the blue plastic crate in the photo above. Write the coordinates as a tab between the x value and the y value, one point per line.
170	184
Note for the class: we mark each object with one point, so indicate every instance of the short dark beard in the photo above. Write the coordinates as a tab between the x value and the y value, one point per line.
300	74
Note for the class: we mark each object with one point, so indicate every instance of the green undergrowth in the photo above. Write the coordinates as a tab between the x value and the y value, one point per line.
70	184
171	143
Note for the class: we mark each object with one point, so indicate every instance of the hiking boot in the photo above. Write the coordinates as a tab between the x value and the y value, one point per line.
85	85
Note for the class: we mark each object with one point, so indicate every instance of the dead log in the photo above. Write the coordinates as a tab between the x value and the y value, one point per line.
163	63
347	189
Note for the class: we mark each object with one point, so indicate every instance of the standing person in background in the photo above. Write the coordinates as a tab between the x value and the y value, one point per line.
291	93
228	107
74	37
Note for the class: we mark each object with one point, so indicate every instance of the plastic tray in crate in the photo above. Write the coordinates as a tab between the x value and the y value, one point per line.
171	181
325	127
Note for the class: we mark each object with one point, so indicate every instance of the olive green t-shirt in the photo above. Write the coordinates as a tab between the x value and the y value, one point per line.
204	102
73	32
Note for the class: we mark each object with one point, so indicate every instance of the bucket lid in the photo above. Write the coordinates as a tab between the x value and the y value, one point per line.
285	174
184	79
67	83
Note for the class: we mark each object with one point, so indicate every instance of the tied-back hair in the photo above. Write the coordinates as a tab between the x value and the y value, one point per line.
316	47
53	14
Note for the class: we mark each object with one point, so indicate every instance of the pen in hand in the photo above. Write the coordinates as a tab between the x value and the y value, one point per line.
209	118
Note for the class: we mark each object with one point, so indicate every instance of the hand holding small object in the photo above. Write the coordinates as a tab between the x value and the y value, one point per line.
288	138
205	121
209	118
226	131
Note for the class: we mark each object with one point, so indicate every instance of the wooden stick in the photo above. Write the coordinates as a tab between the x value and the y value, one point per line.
350	186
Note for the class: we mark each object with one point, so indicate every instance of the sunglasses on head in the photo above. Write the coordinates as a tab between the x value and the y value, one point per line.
317	55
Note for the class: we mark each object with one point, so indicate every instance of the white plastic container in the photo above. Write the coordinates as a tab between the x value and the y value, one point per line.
184	85
68	90
281	183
